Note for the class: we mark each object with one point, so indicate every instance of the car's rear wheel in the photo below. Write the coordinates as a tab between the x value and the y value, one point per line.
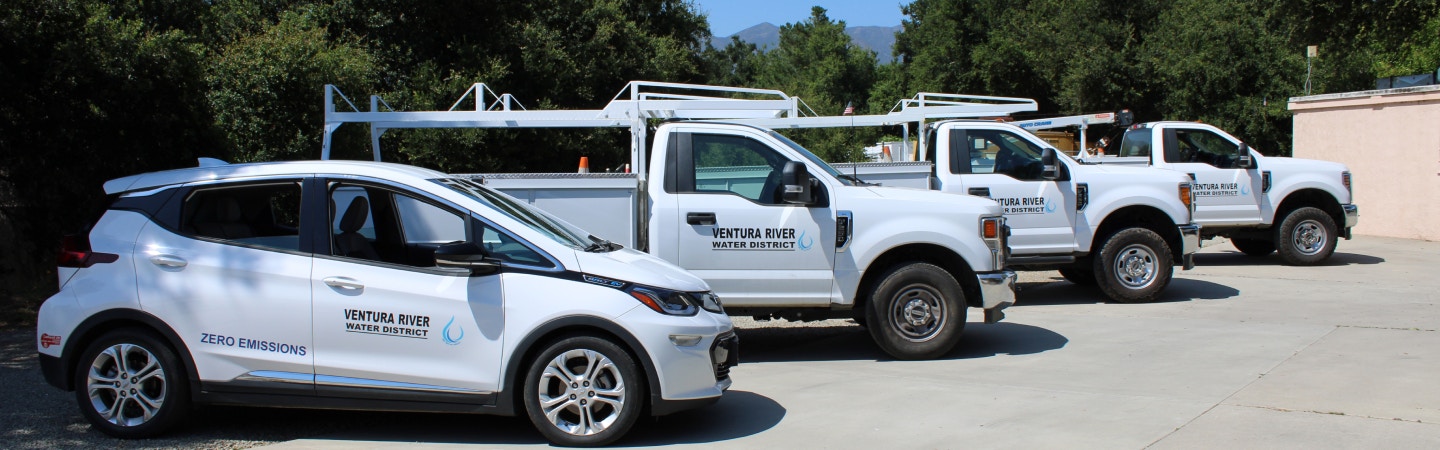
129	384
583	391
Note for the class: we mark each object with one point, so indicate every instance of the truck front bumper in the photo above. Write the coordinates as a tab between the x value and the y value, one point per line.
1189	244
997	292
1352	217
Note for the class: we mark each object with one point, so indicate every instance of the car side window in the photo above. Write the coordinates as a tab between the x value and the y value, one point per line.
262	215
738	165
501	245
1004	153
380	224
1205	147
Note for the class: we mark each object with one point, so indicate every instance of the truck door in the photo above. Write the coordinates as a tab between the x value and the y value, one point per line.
1224	194
388	323
1006	167
736	233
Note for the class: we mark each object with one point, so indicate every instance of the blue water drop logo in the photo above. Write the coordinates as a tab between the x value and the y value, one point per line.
445	334
1049	206
1244	190
804	242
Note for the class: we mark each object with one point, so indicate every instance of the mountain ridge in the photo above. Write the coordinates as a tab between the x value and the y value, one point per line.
766	35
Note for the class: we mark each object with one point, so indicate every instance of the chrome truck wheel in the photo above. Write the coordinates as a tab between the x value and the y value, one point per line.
1134	266
916	311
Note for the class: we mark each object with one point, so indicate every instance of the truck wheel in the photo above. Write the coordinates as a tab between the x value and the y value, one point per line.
583	391
917	311
1079	276
1134	266
1306	237
1253	247
130	384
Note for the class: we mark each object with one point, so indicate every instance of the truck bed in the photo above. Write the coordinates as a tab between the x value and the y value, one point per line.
602	203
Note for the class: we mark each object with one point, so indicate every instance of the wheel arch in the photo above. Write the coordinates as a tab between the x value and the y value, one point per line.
532	344
103	322
1147	217
1314	197
940	256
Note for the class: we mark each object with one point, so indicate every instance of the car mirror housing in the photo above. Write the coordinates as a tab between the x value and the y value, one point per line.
796	180
466	255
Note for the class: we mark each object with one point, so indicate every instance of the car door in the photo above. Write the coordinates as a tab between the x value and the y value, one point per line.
1006	167
230	275
388	323
735	231
1224	193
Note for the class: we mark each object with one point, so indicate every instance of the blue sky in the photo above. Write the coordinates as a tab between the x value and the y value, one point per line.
728	17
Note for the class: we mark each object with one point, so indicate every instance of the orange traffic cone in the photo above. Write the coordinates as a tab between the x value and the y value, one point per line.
584	165
885	154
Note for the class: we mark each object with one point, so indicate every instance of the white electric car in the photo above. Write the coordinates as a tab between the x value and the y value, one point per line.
374	286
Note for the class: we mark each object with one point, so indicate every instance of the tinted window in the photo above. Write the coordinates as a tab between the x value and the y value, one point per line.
1003	152
1203	146
380	224
737	165
265	215
1136	143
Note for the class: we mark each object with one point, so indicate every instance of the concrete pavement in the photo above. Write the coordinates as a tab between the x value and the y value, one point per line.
1240	352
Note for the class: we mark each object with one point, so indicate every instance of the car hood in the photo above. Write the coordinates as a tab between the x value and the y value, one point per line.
640	268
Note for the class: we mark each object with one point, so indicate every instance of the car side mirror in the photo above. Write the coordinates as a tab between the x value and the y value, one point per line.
1051	169
466	255
796	180
1243	160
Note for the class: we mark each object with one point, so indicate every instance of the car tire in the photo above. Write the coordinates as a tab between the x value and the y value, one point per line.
1306	237
1134	266
1079	276
916	311
1253	247
583	391
130	384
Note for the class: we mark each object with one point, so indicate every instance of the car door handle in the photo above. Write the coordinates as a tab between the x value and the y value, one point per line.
700	218
980	191
343	283
168	261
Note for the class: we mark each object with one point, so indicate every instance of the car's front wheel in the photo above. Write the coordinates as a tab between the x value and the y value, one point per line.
1306	237
916	311
131	385
1134	266
583	391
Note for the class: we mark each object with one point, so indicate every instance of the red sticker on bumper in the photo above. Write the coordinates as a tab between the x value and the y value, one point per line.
47	340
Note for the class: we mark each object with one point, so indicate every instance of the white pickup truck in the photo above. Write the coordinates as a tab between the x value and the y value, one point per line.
774	230
1121	228
1262	203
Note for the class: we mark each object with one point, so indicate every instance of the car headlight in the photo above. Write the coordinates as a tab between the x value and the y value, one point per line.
675	303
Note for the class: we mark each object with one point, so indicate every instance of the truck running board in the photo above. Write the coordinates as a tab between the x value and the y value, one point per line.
1026	260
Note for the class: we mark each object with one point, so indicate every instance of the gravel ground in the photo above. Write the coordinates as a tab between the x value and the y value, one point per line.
38	416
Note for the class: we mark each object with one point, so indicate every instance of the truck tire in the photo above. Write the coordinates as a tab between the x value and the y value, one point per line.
916	311
130	384
1134	266
1253	247
1306	237
583	391
1079	276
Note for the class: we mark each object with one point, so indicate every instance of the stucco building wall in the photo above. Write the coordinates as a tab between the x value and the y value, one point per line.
1390	139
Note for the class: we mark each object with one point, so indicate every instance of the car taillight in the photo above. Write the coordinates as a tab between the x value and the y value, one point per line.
75	252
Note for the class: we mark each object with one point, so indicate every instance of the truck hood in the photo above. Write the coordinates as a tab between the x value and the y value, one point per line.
640	268
1131	173
950	202
1285	164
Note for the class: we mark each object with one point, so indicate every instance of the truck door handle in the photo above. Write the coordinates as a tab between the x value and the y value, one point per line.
980	191
701	218
168	261
343	283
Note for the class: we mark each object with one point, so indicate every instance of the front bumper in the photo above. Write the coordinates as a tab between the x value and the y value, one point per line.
1352	217
1189	244
997	292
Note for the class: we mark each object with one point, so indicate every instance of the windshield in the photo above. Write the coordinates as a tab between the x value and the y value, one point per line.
848	180
530	216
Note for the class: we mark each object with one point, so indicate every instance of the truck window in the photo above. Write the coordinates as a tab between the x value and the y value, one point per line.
737	165
1203	146
1136	143
1002	152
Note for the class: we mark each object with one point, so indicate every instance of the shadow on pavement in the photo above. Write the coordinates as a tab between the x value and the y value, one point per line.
1061	292
1235	258
736	415
853	343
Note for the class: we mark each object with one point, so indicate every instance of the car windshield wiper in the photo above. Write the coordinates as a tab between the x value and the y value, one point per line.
598	245
857	180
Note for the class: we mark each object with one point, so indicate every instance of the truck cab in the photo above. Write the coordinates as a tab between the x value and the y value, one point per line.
1262	203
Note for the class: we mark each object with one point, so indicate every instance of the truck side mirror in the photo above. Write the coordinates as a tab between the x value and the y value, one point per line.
1051	169
466	255
1243	160
796	181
